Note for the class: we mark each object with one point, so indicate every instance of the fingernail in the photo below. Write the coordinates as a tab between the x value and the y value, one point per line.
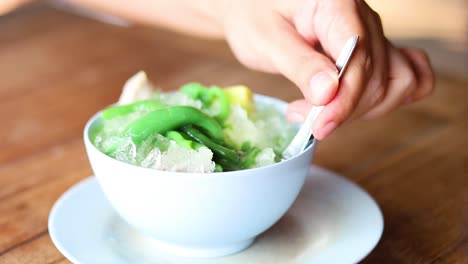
320	86
295	117
327	129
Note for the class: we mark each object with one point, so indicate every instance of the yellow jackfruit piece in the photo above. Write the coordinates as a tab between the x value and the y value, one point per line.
241	95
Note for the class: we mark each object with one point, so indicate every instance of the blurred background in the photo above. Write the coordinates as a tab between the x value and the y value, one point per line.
440	27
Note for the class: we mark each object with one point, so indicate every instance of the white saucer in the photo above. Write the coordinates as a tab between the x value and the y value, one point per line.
332	221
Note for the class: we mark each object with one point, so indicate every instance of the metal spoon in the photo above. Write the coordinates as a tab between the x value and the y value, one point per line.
303	136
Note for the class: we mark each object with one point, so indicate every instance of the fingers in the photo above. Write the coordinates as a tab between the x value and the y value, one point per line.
348	96
411	78
424	73
311	71
402	83
334	23
376	86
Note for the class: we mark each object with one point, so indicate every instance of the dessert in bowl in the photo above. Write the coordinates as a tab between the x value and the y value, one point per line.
199	213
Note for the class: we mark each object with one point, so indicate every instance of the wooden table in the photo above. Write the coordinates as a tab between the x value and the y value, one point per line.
56	70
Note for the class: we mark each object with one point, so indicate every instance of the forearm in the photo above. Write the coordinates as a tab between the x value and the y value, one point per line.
193	17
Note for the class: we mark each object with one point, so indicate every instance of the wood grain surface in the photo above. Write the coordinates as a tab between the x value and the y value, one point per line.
57	69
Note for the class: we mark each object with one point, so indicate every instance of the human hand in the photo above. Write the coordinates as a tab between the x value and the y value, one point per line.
285	37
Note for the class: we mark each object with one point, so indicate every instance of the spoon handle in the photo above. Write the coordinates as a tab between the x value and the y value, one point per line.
299	142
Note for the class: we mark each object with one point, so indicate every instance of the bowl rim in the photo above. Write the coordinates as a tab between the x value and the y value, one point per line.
96	116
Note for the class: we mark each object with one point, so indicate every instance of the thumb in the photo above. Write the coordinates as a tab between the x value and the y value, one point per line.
314	73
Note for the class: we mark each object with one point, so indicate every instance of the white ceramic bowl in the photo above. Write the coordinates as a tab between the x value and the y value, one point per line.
200	214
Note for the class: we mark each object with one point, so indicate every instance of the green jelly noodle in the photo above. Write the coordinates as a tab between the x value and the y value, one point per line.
221	129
